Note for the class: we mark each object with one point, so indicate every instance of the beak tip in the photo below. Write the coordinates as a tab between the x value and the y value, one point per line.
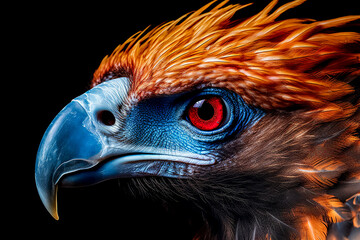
56	216
54	213
49	200
52	209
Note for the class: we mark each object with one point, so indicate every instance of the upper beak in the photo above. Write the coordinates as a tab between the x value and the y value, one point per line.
76	141
63	150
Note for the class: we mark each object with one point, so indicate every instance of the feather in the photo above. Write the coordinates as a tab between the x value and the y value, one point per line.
289	57
295	173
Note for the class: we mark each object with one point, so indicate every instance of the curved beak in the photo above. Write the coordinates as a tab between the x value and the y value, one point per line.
67	146
75	141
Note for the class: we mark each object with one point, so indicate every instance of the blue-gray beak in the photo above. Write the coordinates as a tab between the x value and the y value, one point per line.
64	148
76	141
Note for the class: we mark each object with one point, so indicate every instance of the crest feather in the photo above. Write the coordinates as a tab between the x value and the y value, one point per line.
271	64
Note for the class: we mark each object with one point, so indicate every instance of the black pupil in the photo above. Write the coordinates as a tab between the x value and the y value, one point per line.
206	111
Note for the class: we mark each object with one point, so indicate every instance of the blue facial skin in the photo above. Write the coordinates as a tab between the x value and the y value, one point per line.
163	141
162	122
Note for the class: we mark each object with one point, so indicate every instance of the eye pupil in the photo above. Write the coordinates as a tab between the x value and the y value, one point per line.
206	111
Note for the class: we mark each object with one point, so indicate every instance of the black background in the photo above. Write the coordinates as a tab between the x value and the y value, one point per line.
54	48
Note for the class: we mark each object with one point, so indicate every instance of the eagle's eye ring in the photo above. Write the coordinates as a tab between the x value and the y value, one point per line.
207	113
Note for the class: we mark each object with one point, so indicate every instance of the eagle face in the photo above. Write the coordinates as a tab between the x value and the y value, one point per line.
254	122
161	136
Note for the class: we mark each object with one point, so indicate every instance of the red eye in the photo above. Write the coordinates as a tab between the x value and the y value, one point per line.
207	113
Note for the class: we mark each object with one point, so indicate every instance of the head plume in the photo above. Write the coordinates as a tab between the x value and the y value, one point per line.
271	64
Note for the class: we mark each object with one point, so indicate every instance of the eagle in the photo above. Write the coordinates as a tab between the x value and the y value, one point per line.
255	121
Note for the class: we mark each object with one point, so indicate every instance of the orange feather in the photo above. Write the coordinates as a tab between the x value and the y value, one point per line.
271	64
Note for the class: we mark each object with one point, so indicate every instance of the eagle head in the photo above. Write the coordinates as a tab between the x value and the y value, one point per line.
253	121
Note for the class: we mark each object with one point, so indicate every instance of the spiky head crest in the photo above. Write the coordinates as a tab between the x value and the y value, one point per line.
271	64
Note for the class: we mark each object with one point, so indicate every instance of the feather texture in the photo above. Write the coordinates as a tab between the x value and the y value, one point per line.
271	64
296	173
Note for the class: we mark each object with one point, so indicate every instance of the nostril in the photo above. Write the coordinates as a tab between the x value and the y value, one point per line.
106	117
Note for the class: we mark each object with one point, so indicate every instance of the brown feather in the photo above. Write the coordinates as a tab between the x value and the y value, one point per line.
301	162
294	173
